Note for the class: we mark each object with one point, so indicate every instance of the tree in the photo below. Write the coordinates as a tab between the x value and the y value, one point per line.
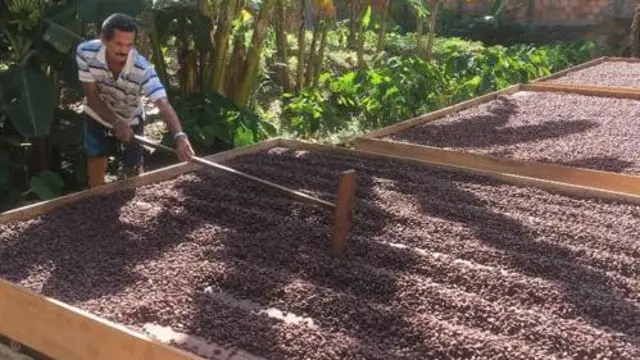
253	56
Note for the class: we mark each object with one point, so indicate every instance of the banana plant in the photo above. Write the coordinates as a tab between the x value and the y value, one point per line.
41	37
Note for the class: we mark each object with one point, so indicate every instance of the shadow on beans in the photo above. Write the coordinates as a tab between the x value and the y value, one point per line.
525	248
490	130
275	254
87	250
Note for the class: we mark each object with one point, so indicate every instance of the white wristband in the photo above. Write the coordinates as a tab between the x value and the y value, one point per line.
178	135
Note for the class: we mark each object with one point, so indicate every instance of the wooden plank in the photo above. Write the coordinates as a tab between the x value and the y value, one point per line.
604	91
423	119
558	187
342	214
64	332
570	69
591	183
41	208
622	59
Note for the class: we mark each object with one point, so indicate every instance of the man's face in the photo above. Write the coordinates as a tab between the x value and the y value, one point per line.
119	46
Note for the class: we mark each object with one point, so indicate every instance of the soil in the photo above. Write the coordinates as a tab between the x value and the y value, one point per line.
439	264
566	129
612	73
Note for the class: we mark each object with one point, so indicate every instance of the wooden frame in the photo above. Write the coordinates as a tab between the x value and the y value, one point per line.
61	331
546	80
616	185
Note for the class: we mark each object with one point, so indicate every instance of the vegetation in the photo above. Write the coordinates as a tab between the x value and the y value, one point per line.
241	71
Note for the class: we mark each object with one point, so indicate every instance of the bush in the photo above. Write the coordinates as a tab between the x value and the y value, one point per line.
405	86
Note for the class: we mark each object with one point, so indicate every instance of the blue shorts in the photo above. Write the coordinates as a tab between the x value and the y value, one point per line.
99	141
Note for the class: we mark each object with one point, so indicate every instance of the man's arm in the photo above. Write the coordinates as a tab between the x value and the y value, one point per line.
95	103
155	91
182	144
169	115
121	129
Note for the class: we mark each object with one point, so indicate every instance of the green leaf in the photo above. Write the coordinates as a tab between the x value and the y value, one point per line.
68	131
242	137
31	111
60	37
47	184
366	19
496	9
88	10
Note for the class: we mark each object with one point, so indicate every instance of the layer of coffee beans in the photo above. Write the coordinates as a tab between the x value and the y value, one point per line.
611	73
439	264
567	129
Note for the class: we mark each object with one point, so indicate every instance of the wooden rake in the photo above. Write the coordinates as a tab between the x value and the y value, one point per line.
342	209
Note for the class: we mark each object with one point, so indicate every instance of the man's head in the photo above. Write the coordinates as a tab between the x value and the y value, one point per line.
119	33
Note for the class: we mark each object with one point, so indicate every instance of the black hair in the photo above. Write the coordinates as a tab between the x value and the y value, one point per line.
118	21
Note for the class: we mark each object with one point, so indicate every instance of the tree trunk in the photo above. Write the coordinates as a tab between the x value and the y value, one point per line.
383	26
253	56
354	20
235	66
281	45
158	57
227	12
313	53
205	8
301	48
419	33
361	38
144	34
185	70
320	59
432	29
634	38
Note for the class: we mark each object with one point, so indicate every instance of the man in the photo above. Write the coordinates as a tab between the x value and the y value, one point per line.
114	78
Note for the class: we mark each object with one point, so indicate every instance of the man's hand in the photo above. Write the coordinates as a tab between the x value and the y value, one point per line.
123	131
183	148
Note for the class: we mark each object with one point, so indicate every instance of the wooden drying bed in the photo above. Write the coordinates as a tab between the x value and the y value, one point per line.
615	185
61	331
560	86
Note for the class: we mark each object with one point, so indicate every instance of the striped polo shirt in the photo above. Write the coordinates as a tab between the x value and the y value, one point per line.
124	94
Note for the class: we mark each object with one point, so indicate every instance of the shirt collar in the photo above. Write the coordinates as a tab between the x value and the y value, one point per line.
128	66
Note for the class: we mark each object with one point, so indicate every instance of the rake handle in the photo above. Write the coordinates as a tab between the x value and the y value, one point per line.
211	164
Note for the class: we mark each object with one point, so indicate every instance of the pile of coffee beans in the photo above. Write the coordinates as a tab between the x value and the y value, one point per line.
567	129
610	73
439	264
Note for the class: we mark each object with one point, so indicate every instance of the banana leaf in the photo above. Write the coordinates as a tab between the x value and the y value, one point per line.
31	105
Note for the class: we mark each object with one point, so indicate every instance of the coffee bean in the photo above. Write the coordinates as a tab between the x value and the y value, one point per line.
565	129
611	73
439	264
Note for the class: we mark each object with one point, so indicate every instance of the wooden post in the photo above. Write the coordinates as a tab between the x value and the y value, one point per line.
343	212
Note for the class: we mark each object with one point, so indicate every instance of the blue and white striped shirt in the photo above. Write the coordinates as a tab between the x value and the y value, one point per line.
123	95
